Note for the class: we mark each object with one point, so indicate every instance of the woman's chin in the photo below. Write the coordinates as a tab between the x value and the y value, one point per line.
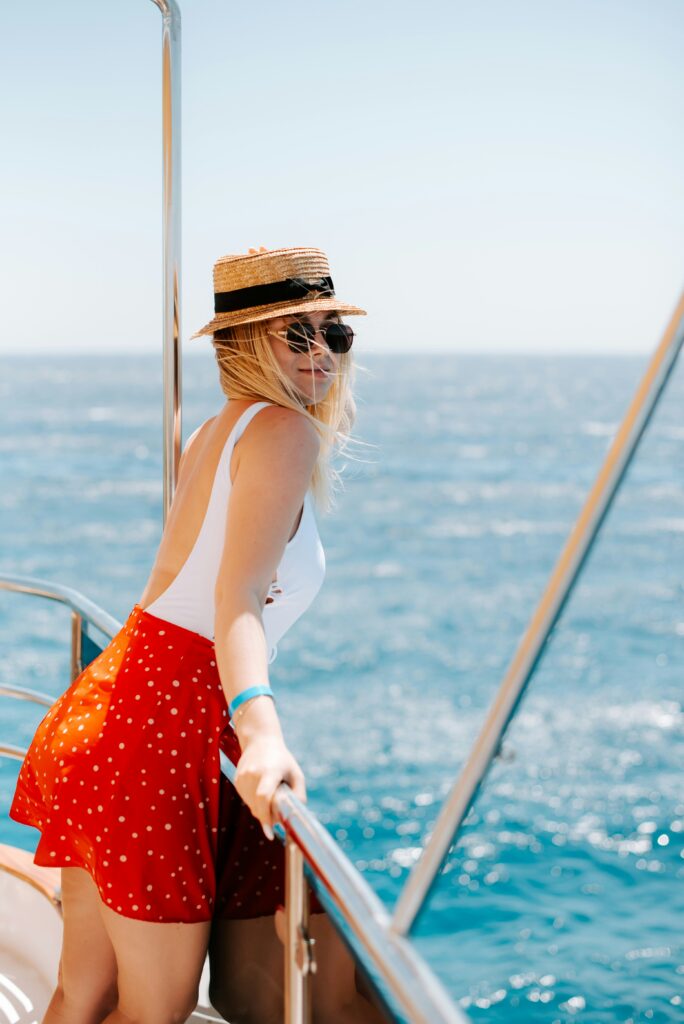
314	392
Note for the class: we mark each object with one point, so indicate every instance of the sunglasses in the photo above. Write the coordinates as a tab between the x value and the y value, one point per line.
300	336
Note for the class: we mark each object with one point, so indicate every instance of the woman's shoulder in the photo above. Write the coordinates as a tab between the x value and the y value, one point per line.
191	443
195	434
276	427
194	437
280	445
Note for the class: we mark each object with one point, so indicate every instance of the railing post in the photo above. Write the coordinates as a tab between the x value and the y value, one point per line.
171	157
299	960
76	639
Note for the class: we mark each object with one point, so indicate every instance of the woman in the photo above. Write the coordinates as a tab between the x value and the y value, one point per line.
123	777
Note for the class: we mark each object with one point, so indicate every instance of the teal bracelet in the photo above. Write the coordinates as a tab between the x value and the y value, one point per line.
252	691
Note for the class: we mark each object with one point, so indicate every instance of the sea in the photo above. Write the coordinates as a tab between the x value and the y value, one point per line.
563	896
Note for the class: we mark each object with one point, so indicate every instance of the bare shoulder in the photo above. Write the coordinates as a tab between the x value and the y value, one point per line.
281	435
191	443
196	433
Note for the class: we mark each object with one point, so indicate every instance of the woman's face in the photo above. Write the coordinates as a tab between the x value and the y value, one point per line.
312	373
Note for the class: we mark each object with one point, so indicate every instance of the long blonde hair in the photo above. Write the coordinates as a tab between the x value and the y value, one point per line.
248	369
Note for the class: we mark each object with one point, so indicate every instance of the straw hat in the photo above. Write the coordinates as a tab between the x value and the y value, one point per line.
273	283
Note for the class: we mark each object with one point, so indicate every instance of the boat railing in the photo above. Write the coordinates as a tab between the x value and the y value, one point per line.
416	892
405	985
85	616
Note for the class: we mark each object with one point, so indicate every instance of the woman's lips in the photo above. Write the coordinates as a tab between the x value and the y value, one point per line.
315	373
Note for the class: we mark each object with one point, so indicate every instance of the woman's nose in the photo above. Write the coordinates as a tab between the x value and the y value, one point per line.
320	346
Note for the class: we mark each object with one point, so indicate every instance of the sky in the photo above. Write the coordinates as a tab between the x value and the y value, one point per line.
484	177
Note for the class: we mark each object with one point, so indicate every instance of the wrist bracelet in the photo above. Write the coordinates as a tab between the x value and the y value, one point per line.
241	711
251	691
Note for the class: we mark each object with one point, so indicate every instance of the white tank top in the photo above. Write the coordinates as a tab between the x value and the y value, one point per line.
189	600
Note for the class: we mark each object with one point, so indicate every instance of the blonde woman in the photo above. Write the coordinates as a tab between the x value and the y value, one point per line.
123	776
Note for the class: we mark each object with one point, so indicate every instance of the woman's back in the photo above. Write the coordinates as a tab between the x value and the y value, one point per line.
181	585
199	464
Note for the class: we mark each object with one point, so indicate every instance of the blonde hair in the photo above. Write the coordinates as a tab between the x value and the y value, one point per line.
248	369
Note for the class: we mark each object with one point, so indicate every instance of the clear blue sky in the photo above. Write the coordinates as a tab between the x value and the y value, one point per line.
490	176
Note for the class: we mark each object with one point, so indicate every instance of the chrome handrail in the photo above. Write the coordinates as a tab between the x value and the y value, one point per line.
409	979
82	606
171	199
10	750
23	693
82	610
423	875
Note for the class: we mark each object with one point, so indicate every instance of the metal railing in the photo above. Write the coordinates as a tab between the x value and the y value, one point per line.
417	890
11	751
414	897
23	693
84	613
409	980
410	984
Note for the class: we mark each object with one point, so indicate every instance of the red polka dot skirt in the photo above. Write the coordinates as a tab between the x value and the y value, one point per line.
123	779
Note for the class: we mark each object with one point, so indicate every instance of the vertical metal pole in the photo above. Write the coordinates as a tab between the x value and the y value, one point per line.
76	636
171	149
299	962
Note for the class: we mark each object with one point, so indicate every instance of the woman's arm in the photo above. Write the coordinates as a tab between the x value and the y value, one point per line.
277	456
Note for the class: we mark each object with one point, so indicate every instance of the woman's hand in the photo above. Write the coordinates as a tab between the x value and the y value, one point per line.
264	764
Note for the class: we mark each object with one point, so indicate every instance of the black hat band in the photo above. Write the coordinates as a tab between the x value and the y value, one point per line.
265	294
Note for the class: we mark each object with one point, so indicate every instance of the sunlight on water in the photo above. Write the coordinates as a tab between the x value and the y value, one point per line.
563	898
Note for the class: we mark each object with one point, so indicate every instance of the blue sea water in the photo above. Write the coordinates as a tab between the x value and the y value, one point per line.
563	898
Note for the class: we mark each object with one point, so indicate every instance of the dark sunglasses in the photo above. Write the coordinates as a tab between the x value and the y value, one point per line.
300	336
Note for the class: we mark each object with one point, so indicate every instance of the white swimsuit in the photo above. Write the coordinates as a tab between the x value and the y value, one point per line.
189	600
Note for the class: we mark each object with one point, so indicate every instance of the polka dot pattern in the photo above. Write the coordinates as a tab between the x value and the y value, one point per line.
123	779
250	868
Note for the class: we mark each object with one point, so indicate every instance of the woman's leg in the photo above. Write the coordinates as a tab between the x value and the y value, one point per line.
159	968
246	971
86	990
246	986
119	970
